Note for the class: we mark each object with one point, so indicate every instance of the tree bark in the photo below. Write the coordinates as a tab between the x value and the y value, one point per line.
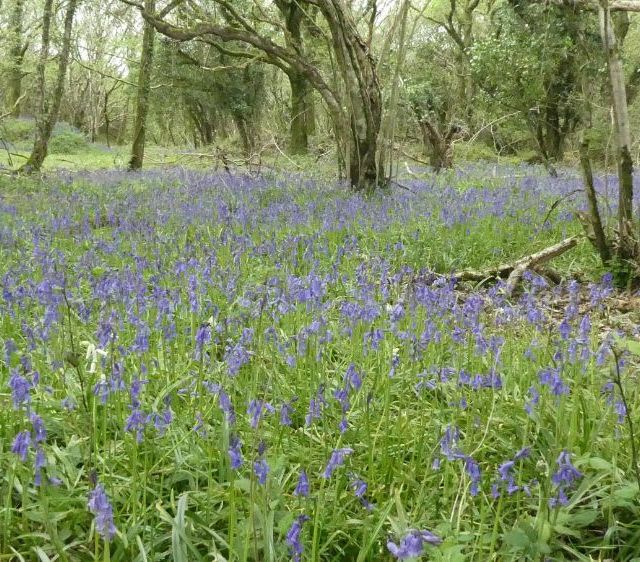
144	91
16	56
300	116
299	137
48	116
627	243
438	145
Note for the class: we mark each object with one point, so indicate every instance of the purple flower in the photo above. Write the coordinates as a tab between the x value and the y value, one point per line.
533	400
19	389
360	488
449	443
337	459
302	488
21	444
227	407
39	431
235	453
293	538
261	470
316	405
100	506
285	413
203	336
473	471
256	409
412	544
563	479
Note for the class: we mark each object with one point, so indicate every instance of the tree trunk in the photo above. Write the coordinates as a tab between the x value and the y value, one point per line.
144	90
627	242
599	238
16	56
299	118
438	146
47	117
359	73
299	143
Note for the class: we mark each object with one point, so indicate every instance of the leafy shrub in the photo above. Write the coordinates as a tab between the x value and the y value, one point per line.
66	139
15	131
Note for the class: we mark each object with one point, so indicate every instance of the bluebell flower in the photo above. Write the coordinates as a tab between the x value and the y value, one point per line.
261	470
256	409
199	427
227	407
473	471
360	488
100	506
20	388
39	464
293	538
316	405
235	453
39	431
621	410
286	410
412	544
337	459
533	400
102	389
302	488
449	443
565	476
21	445
565	329
203	336
136	422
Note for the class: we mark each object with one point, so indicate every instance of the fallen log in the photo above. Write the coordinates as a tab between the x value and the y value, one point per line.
513	272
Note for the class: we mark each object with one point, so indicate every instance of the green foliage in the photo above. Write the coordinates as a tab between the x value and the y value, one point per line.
66	139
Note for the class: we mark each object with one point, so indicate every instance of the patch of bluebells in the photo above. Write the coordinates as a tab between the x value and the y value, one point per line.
400	313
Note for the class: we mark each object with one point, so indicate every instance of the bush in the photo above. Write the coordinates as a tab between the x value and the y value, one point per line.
66	139
16	131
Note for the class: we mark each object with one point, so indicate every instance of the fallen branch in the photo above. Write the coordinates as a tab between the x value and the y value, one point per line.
513	272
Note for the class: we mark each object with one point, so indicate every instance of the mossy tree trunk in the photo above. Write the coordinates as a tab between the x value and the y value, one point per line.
16	57
48	113
144	91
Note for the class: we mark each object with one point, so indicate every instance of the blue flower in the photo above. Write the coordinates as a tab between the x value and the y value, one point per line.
412	544
564	478
256	409
473	470
285	413
302	488
261	470
20	388
235	453
21	445
100	506
293	538
337	459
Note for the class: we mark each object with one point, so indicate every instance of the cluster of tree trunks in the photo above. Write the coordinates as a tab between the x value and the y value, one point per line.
48	111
